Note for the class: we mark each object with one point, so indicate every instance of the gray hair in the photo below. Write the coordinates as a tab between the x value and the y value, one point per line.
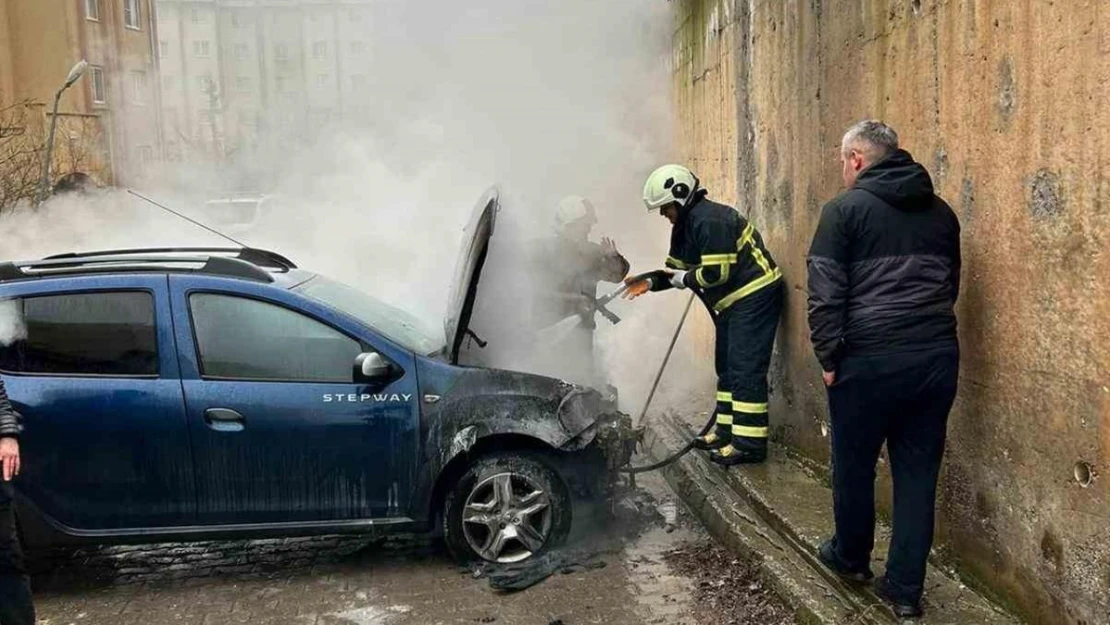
871	137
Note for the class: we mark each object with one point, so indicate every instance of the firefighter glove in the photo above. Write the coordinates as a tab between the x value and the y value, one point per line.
678	279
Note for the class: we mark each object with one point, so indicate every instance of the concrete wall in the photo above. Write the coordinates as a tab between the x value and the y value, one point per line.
1005	103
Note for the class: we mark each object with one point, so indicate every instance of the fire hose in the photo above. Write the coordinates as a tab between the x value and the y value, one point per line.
651	395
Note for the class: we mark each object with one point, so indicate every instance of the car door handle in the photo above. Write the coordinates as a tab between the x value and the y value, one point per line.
224	420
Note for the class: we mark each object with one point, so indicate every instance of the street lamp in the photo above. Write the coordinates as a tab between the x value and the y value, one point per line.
74	73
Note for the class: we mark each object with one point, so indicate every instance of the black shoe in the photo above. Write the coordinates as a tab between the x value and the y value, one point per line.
901	607
711	441
827	555
729	456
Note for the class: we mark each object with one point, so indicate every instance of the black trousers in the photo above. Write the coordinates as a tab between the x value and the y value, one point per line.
745	339
15	587
904	400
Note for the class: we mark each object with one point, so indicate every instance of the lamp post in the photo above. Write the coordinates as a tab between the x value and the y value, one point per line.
74	73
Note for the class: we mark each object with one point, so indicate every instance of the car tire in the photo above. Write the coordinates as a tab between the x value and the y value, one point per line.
508	507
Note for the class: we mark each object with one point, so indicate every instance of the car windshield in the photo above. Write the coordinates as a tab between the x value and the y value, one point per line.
393	323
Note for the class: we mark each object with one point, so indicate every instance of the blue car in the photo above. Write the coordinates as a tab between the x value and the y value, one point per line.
192	393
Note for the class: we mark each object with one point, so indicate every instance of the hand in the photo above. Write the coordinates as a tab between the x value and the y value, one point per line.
637	286
9	457
678	279
829	377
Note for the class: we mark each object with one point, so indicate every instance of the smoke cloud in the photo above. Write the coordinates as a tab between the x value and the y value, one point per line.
544	99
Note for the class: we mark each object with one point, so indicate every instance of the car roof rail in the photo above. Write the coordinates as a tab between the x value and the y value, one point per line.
247	263
252	255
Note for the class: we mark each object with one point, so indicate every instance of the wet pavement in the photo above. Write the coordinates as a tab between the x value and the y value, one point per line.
352	581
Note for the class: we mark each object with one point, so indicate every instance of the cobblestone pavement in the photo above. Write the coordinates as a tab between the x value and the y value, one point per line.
350	581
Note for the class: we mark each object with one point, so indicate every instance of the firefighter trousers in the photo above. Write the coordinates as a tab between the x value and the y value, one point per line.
745	338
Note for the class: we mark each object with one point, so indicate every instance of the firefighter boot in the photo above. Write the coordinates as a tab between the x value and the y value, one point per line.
722	435
719	437
740	451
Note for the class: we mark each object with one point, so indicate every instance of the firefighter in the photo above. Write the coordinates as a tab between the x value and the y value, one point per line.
719	255
573	266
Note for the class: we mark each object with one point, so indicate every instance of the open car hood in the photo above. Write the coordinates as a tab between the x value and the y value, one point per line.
468	269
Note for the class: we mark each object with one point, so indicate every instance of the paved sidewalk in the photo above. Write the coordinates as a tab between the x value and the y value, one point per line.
778	513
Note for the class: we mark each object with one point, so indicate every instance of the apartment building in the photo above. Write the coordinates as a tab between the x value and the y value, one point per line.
232	70
108	122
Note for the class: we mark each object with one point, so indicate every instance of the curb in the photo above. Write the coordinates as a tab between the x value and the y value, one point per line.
732	520
776	514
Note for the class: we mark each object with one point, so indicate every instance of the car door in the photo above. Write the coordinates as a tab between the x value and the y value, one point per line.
281	428
94	372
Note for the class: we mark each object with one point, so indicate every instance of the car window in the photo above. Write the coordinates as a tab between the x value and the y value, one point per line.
393	323
104	333
247	339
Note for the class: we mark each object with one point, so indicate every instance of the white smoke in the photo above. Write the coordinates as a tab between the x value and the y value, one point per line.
12	328
545	99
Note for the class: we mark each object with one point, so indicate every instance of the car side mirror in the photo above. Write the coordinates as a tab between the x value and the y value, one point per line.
372	366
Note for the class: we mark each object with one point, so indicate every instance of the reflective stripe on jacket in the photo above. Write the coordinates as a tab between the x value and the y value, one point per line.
723	253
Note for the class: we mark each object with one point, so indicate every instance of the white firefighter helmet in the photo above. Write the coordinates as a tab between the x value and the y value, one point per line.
669	183
573	209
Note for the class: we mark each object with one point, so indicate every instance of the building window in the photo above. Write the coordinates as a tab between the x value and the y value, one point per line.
319	49
281	52
241	51
206	84
99	92
357	47
201	48
237	20
146	154
199	16
163	49
358	82
354	15
103	334
243	84
138	87
321	80
131	13
92	10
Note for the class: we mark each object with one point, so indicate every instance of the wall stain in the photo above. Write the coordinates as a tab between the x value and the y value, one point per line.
1007	91
940	165
1051	549
1046	198
967	200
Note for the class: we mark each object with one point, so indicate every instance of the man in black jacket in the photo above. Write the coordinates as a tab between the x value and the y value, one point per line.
884	274
15	588
720	255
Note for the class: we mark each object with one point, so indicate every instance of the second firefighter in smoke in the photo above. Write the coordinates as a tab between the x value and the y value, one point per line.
574	265
719	255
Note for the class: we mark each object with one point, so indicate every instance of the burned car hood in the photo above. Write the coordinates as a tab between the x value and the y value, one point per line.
500	401
468	269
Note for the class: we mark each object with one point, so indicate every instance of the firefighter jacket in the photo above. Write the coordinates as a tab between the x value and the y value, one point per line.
573	270
722	252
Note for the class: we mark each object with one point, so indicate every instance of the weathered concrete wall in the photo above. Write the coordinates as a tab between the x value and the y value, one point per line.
1005	103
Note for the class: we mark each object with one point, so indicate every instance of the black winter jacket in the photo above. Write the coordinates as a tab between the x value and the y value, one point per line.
9	419
884	267
722	253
